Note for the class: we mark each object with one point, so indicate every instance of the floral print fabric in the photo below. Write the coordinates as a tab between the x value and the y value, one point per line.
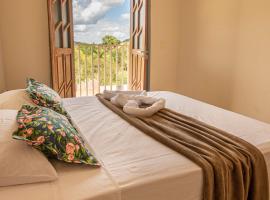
44	96
51	133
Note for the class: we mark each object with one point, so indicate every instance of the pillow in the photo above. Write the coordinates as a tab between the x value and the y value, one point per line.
19	163
14	99
51	133
43	95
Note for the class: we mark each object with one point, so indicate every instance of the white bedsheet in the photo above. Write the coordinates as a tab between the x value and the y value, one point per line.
136	167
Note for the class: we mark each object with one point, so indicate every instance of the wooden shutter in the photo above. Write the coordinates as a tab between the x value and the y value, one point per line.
61	46
139	44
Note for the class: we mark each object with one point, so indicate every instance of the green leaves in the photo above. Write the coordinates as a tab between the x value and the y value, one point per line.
84	58
110	40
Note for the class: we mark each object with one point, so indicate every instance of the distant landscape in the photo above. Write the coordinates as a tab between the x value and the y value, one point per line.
116	57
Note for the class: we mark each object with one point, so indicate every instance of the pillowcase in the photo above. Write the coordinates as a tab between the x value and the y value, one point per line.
19	163
42	95
51	133
14	99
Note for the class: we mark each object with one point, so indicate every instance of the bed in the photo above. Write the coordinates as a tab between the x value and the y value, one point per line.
134	166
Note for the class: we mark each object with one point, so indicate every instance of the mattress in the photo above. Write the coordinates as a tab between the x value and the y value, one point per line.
134	166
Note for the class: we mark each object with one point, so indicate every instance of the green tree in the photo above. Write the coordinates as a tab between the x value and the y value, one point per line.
91	59
110	40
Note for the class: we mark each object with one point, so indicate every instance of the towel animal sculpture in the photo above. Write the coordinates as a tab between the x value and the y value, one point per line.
135	103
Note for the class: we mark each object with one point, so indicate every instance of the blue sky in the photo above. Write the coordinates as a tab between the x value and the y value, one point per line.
94	19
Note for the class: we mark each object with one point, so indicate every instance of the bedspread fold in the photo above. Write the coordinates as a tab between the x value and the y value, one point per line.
233	169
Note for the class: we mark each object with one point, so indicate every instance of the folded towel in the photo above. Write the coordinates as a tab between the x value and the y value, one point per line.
122	99
131	101
132	108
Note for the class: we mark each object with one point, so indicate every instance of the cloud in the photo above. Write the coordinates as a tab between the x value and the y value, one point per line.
91	23
125	16
80	28
93	33
91	11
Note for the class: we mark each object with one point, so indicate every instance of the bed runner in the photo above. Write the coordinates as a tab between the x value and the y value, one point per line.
233	169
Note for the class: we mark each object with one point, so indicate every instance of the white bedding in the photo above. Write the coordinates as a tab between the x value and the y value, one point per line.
136	167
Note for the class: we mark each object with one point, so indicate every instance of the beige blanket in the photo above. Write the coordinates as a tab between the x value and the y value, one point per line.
233	168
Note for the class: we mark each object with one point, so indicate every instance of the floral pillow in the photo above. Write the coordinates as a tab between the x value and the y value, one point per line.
43	95
51	133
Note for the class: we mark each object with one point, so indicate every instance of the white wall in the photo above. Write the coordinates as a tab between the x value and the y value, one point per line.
217	51
207	50
164	44
25	41
2	76
251	87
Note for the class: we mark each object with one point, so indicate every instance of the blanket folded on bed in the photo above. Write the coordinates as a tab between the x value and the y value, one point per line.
233	169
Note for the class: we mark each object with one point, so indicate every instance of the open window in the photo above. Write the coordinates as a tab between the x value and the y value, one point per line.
81	68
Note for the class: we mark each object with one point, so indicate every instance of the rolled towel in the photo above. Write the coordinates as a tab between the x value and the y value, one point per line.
144	99
121	99
131	109
132	104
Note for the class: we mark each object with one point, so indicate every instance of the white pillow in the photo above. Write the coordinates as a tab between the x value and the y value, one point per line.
19	162
14	99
